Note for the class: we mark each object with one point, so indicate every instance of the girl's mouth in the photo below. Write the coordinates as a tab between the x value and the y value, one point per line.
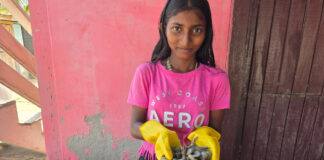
184	49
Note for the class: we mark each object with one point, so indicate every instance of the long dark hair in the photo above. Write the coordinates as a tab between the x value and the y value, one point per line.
205	54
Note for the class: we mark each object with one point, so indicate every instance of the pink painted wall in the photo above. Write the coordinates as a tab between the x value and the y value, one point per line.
86	53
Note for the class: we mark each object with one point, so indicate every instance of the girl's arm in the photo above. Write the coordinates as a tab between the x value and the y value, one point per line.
215	119
138	118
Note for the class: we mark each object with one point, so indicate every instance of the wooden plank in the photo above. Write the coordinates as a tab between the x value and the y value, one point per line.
250	126
14	81
18	13
17	51
5	56
306	127
292	46
264	124
29	135
239	60
317	143
291	127
244	23
312	21
277	42
317	77
260	50
277	127
261	45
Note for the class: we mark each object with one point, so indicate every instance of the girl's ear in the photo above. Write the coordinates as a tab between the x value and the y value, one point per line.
160	27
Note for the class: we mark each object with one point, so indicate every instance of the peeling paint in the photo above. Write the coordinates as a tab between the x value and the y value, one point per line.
114	146
125	155
98	145
67	107
62	120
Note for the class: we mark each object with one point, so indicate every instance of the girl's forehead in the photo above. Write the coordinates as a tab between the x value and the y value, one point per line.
188	17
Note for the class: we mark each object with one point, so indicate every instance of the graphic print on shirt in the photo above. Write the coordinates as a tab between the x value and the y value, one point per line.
178	109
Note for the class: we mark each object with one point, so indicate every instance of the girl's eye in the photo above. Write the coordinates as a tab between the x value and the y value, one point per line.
196	30
177	29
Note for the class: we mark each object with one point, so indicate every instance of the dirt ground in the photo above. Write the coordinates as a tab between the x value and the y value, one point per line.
11	152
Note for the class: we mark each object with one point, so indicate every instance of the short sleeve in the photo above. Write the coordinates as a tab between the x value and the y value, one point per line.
139	88
221	96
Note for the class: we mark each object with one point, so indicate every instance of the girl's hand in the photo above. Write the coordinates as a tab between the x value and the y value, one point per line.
208	137
163	138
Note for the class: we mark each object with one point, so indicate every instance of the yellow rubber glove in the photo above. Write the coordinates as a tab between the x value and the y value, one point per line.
208	137
163	138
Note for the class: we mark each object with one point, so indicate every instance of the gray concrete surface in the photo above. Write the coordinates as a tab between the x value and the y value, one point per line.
11	152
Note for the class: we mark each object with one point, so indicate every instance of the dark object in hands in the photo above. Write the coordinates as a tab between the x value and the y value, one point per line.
191	152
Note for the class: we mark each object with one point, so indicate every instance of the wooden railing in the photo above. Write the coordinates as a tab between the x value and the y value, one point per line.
28	136
9	77
17	51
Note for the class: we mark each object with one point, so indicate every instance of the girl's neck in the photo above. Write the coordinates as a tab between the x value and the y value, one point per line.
182	65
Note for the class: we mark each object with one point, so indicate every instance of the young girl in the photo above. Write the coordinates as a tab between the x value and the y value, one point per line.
180	94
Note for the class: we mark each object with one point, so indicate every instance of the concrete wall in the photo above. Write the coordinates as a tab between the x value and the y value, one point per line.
87	52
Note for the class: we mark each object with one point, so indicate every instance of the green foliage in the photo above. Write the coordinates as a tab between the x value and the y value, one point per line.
24	4
26	8
3	10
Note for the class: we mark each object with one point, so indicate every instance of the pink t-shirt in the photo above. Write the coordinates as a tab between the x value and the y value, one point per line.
179	101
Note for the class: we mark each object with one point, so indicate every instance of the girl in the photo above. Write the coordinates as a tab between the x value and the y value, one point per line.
180	94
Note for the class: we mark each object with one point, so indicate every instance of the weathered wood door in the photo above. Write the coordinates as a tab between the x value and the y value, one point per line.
276	67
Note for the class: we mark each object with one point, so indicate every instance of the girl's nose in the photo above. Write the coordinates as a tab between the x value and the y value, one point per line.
185	40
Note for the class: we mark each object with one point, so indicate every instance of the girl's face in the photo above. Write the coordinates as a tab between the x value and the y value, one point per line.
186	33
